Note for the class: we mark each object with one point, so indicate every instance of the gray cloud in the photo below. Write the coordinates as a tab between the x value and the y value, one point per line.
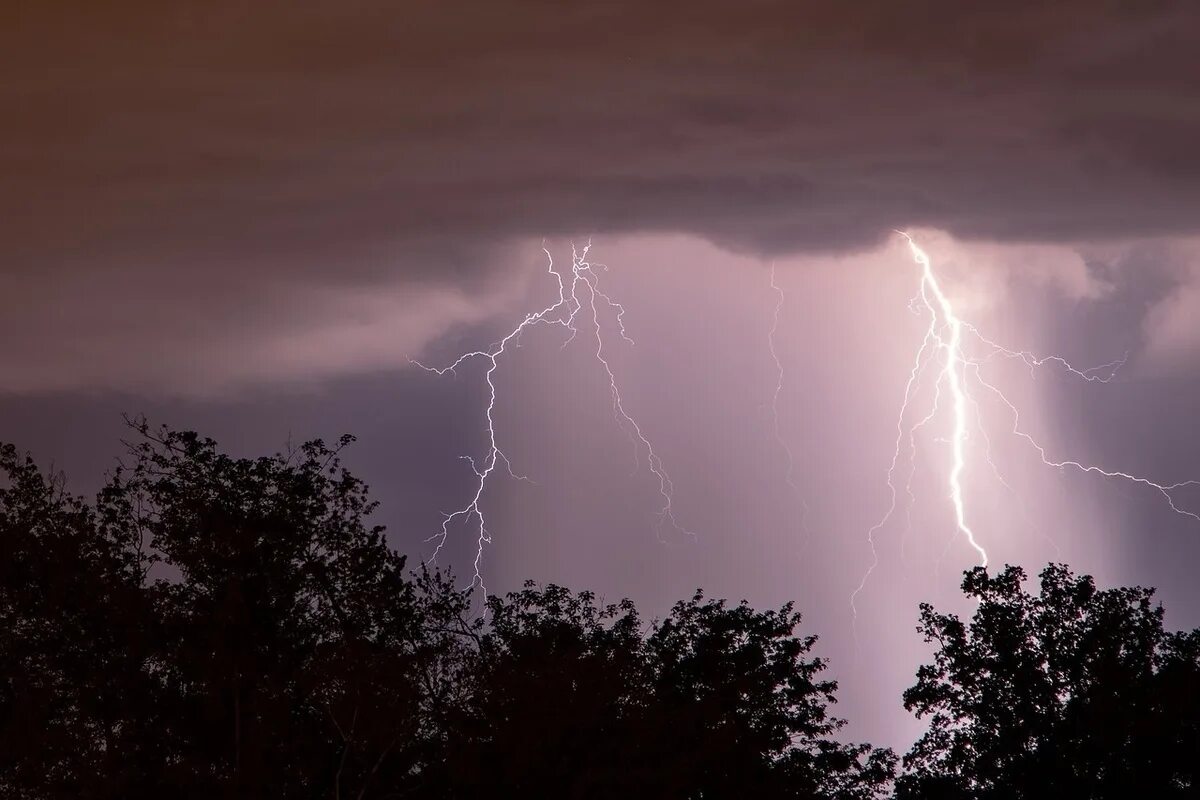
222	161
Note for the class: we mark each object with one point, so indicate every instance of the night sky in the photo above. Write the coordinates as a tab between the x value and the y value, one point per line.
247	218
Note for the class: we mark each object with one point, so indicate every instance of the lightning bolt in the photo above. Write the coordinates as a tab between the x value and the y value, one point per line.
910	389
789	473
953	378
944	345
579	299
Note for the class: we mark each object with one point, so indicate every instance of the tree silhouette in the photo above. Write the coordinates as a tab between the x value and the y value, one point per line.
1072	692
221	627
73	632
579	700
216	627
225	627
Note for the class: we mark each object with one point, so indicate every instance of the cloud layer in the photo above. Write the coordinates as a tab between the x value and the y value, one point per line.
214	163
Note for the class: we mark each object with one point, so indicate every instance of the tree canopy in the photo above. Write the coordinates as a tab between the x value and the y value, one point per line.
1070	692
214	626
211	626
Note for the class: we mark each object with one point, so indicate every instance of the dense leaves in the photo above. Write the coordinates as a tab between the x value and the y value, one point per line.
222	627
1072	692
580	700
213	626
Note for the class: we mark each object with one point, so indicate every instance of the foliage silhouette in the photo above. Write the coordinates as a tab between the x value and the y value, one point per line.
579	700
1072	692
222	627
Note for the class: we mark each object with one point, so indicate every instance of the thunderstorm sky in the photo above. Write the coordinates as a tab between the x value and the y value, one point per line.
247	221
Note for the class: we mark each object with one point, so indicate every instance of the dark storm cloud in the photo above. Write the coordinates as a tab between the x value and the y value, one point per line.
202	171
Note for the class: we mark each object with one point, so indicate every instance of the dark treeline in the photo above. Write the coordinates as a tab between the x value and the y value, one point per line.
218	627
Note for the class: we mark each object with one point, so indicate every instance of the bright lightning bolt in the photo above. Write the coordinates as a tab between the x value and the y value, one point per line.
944	345
579	297
952	375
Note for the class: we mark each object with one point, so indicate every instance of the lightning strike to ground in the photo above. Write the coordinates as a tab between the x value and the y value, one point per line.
944	345
578	298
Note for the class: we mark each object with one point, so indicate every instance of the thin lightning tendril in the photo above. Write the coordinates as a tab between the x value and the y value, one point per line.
944	343
789	474
909	391
581	295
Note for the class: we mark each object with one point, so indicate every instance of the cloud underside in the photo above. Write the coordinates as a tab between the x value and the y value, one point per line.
222	167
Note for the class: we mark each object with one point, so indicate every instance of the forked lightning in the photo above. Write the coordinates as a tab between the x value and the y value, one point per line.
944	345
579	297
